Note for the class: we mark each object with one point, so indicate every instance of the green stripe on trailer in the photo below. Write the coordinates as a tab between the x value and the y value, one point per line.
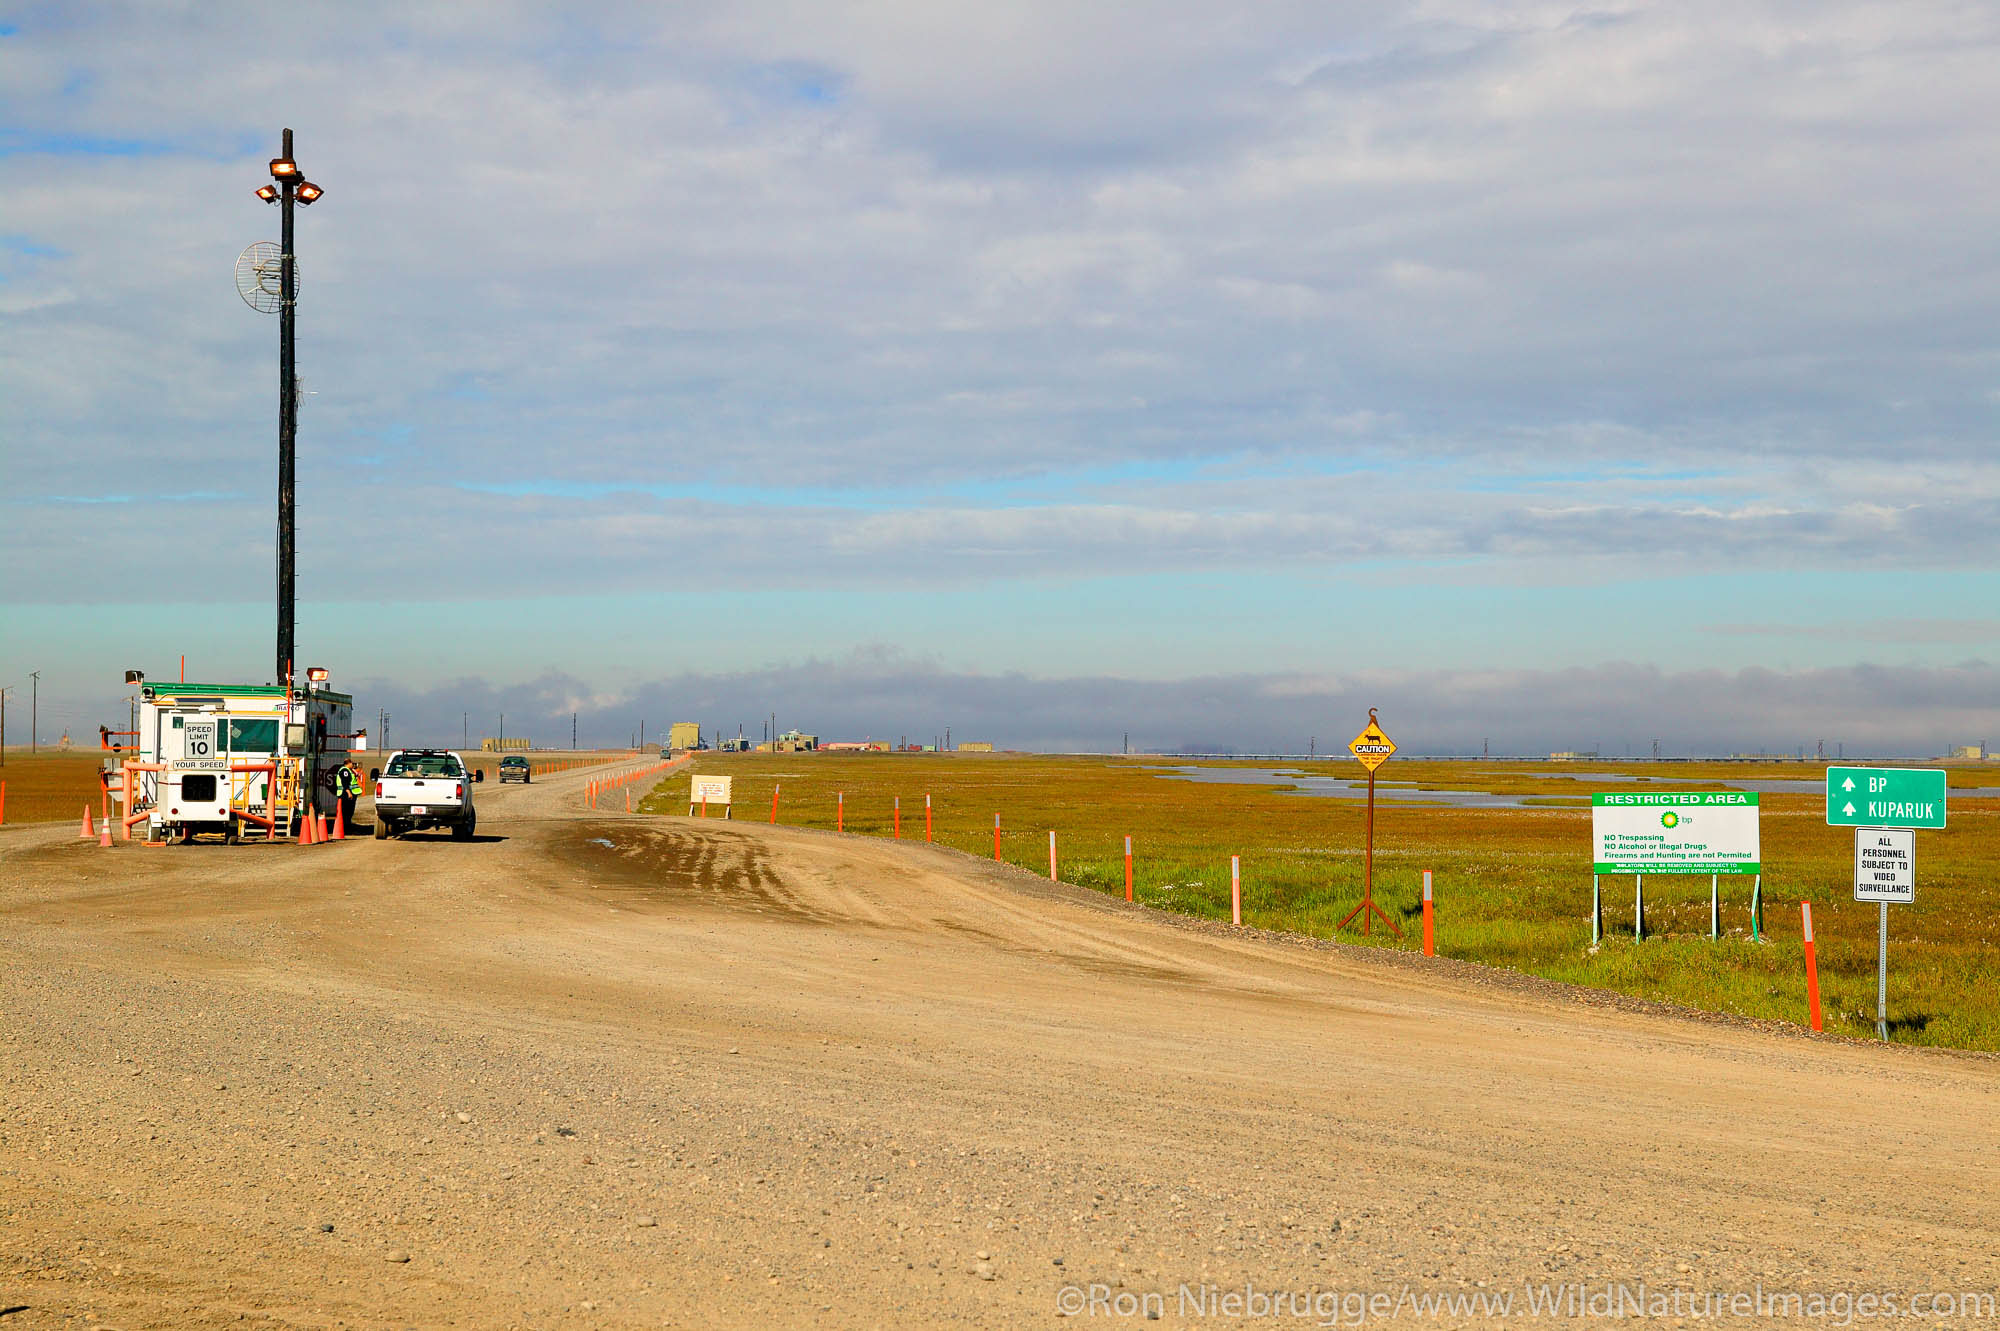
169	692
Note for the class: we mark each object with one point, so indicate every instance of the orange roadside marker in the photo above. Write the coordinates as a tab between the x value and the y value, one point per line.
88	833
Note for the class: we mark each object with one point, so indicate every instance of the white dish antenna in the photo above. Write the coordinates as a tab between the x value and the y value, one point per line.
260	277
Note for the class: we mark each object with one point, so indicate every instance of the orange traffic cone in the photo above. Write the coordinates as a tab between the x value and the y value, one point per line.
306	830
104	833
88	833
340	821
628	801
319	828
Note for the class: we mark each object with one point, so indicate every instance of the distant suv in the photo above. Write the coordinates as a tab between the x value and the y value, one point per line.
514	768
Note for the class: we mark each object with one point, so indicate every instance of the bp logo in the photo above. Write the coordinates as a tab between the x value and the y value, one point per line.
1670	819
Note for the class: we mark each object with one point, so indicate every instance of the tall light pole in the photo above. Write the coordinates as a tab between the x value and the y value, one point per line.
34	709
3	723
290	187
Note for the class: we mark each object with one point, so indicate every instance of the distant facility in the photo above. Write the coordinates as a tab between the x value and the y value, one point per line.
684	735
511	744
974	746
1970	753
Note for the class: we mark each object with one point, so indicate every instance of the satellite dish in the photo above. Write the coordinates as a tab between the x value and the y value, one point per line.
260	277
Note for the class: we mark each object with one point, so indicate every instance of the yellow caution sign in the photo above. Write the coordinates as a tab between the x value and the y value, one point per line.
1371	748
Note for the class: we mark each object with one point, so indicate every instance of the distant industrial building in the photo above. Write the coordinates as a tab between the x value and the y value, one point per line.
797	741
511	744
1970	753
974	746
684	735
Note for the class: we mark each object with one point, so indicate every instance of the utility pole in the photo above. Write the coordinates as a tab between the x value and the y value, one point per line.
3	723
572	730
465	730
290	187
35	710
642	732
503	730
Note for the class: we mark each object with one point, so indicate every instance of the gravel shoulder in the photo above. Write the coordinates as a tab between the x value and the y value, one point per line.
600	1070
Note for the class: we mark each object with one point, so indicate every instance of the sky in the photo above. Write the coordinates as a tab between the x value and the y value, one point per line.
1548	376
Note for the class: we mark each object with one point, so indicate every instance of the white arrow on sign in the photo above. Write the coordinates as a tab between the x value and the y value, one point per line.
1848	785
1849	810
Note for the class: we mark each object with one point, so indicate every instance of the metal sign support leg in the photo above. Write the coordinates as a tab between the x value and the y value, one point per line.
1638	907
1596	910
1757	910
1714	906
1882	977
1368	910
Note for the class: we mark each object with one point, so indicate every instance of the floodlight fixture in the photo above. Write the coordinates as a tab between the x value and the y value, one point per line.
269	193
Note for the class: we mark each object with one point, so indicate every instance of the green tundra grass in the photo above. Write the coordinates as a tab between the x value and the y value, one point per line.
1512	886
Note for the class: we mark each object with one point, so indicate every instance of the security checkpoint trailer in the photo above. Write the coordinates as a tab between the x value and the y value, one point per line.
236	759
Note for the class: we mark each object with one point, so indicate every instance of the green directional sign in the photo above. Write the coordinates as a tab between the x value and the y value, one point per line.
1884	797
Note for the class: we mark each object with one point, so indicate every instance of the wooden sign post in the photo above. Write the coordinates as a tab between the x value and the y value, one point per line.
1371	748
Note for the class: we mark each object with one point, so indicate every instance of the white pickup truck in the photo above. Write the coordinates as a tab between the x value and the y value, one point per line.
425	788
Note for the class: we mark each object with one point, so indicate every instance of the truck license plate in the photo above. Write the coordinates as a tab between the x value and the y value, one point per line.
420	808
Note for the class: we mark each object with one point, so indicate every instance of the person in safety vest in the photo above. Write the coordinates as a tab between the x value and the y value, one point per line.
347	785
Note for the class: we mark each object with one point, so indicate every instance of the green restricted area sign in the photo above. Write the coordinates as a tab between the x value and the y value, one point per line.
1884	797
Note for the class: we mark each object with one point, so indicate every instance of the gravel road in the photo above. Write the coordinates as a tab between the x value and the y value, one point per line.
606	1070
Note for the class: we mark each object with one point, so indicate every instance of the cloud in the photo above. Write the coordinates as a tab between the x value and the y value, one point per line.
887	694
824	295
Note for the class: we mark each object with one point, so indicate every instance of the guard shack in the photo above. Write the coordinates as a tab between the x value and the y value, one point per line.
236	759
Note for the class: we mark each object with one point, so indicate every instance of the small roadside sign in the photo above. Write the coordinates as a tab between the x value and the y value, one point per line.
1885	864
1885	797
1371	748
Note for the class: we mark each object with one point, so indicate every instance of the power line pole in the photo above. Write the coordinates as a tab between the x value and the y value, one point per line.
35	710
572	730
3	723
465	730
290	187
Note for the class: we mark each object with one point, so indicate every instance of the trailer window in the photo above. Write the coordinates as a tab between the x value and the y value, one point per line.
253	736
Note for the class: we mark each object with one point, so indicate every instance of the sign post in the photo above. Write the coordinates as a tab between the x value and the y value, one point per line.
1677	832
1371	748
1885	870
706	790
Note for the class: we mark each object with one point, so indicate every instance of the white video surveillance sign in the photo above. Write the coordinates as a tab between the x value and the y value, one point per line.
1885	864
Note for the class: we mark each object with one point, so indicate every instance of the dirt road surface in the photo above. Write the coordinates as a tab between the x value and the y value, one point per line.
600	1070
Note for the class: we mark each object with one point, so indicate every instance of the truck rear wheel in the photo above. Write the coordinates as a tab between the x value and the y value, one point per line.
462	829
